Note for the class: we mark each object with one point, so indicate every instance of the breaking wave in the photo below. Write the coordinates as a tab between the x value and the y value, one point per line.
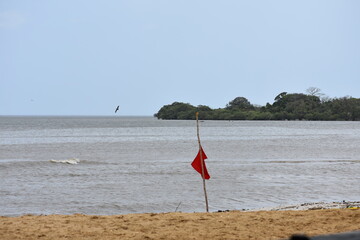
67	161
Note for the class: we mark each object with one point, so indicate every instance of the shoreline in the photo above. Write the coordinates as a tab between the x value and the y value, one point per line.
276	223
313	206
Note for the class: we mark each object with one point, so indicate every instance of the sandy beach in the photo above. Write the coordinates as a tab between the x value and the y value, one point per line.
275	224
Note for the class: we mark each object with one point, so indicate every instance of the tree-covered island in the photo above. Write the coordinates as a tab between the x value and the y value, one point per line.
286	106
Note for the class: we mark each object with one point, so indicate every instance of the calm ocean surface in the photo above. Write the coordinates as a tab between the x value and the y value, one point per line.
141	164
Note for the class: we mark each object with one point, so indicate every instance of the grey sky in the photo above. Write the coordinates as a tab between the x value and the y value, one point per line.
86	57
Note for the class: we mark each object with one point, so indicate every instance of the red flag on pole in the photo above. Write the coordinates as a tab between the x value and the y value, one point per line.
196	164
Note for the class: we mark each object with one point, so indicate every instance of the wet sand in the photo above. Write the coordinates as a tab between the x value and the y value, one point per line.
218	225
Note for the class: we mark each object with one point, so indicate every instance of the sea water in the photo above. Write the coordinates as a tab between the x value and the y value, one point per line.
119	165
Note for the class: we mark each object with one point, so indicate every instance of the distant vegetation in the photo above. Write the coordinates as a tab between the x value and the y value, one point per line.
286	106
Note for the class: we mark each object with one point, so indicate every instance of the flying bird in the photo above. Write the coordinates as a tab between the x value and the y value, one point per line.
117	109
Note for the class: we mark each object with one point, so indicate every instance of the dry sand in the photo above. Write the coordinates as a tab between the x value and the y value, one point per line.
219	225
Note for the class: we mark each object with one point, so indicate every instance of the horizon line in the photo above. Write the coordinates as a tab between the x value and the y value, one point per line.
69	115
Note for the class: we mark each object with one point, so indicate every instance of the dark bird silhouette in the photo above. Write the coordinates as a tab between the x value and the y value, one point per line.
117	109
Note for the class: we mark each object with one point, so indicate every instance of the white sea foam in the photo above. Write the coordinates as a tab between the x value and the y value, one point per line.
67	161
313	206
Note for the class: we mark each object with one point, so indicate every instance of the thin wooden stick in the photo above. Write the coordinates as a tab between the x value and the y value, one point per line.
202	162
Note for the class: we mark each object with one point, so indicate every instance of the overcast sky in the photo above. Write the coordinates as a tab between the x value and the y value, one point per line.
73	57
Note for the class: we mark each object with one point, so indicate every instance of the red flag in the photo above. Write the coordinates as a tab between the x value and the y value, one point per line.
196	164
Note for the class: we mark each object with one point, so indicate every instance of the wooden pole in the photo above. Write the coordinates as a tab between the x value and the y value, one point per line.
202	162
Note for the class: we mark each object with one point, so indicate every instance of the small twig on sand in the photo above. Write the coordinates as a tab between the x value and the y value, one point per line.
178	206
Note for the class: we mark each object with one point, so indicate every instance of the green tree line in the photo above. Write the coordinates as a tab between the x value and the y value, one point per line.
286	106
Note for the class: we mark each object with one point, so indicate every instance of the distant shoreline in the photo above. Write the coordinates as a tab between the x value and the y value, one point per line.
292	106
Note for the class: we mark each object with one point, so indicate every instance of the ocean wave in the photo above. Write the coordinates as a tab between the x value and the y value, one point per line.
67	161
